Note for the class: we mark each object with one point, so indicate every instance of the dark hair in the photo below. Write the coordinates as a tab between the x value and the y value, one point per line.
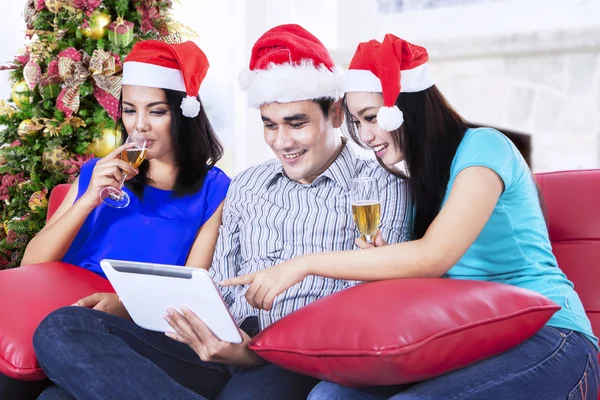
195	144
429	138
325	104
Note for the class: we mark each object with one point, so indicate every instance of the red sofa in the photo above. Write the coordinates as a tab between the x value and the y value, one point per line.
573	205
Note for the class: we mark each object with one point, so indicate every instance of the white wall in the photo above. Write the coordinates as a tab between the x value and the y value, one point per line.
12	32
505	39
529	65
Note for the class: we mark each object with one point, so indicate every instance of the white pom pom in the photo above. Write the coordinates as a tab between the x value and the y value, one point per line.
190	106
389	118
245	79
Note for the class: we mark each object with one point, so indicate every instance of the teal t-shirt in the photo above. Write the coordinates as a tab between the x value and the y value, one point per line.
514	246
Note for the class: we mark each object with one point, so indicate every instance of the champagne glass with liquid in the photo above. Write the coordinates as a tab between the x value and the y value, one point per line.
134	155
366	208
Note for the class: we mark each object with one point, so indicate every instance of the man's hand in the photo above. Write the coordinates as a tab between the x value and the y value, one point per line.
190	329
107	302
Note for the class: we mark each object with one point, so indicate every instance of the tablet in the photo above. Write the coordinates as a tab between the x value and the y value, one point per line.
148	290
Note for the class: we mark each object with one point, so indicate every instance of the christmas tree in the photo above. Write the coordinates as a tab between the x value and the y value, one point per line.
64	102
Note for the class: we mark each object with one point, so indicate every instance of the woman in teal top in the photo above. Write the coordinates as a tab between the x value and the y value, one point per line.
477	215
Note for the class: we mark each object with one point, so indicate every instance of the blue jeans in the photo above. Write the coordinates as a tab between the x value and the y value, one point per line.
94	355
553	364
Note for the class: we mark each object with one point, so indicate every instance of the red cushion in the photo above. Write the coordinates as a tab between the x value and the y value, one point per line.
27	295
406	330
56	197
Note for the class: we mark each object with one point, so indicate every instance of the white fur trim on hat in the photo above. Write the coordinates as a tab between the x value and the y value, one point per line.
361	80
284	83
411	80
190	106
416	79
143	74
390	118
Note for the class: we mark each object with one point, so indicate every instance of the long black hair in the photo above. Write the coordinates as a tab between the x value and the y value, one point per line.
196	149
429	137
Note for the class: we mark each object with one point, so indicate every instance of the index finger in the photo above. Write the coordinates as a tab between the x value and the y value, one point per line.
238	280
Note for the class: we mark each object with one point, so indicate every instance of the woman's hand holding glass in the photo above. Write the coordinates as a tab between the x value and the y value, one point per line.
134	154
376	242
108	172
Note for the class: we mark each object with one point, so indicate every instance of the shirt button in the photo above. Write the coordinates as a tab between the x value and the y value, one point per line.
288	246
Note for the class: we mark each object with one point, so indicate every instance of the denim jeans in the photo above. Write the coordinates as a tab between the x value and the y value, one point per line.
554	364
94	355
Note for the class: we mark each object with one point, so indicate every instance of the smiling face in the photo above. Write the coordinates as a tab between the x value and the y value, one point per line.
302	137
363	106
147	110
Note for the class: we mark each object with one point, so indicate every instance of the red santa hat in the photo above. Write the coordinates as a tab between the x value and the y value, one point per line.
289	64
162	65
391	67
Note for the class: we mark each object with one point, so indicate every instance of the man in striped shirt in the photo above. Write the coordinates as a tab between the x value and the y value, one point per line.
296	204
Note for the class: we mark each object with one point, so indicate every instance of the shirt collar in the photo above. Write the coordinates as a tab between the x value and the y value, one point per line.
340	171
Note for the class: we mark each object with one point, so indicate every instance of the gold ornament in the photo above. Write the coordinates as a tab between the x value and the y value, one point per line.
38	200
99	22
54	6
20	92
52	160
27	127
110	140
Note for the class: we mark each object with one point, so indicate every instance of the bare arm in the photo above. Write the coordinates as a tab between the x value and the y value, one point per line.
471	202
53	241
202	251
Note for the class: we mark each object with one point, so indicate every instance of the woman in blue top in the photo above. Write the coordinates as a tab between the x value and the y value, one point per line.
477	215
177	194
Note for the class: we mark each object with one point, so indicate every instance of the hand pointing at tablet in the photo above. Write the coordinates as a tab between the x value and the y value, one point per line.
190	329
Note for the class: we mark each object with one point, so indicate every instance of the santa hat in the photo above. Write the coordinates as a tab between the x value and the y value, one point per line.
162	65
391	67
289	64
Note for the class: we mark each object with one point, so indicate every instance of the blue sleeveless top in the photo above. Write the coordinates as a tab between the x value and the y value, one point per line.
159	229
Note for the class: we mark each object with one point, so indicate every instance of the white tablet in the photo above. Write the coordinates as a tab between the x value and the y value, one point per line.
148	290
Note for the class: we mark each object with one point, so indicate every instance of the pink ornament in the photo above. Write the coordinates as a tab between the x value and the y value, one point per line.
32	73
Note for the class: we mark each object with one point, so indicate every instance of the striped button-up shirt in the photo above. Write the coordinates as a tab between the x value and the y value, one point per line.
268	219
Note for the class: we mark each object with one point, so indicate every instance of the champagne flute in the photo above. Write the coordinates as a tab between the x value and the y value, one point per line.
366	207
134	155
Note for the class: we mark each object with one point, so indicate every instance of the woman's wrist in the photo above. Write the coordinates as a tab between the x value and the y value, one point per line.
307	264
86	203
